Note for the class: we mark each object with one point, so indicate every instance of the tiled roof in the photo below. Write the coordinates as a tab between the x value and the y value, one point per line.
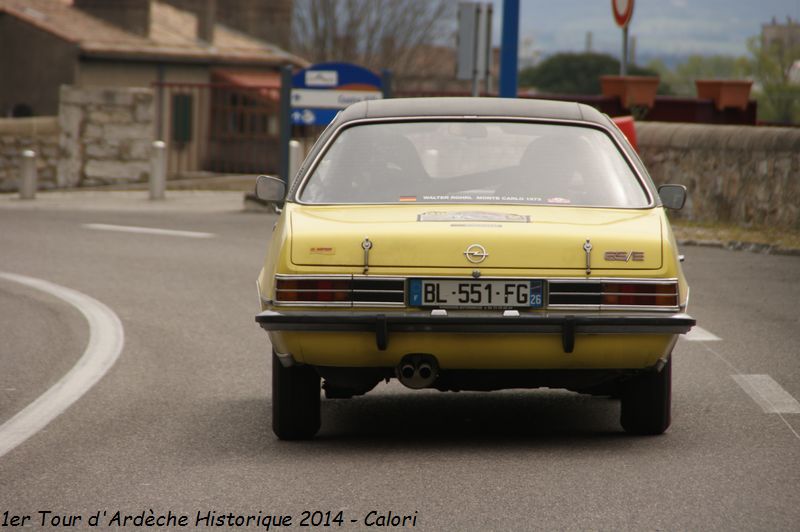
172	35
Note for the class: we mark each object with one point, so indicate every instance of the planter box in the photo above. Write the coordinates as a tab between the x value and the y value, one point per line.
631	90
724	92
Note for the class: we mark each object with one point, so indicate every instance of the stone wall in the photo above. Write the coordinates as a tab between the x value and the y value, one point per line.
39	134
106	135
741	174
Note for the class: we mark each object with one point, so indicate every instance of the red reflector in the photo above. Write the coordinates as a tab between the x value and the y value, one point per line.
287	296
313	290
329	296
312	284
641	294
669	301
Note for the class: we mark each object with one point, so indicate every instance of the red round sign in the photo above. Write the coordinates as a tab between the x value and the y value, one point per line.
623	11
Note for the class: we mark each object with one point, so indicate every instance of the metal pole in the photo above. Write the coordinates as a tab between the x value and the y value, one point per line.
386	83
158	170
488	50
509	49
160	102
28	183
623	65
285	121
476	50
295	160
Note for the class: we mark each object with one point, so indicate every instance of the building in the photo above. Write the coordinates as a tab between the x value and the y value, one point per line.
787	36
207	73
268	20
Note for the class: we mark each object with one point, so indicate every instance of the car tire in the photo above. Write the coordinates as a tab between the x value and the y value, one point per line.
646	402
295	401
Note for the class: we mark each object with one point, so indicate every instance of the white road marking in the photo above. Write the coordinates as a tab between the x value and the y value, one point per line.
698	334
106	338
713	351
768	394
148	230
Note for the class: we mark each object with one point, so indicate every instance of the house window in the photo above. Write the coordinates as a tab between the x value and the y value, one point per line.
21	110
242	113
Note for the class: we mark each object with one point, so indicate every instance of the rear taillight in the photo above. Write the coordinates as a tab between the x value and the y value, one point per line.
611	294
640	294
313	290
340	291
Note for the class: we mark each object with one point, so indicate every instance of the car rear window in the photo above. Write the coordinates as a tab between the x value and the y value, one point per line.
473	162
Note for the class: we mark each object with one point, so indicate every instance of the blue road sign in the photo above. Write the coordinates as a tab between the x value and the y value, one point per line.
310	116
321	90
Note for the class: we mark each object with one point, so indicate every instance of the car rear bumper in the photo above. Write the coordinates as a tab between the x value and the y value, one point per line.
383	324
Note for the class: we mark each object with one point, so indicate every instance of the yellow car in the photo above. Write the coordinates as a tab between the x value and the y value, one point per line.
472	244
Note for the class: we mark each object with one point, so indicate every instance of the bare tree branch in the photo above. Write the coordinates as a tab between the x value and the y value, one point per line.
374	33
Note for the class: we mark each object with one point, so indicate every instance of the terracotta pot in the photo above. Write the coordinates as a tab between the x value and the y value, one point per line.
631	90
725	92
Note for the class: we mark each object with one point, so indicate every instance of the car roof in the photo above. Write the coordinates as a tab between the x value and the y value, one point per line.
488	107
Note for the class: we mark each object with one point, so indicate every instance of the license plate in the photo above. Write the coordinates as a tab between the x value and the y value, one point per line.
475	294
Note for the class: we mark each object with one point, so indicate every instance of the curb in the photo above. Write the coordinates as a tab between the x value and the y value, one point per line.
736	245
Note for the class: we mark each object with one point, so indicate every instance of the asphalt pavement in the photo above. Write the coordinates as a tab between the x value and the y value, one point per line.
181	422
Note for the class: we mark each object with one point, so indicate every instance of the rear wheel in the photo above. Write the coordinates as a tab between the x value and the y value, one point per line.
646	402
295	401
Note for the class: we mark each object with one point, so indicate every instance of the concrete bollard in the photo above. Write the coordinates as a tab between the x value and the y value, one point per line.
295	160
28	178
158	170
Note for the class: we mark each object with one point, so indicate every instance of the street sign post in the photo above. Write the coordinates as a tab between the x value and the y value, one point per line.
474	51
509	49
623	12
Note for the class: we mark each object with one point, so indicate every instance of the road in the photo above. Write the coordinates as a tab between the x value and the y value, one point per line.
181	422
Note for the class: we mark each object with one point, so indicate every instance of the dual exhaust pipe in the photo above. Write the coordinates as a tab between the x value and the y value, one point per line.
417	371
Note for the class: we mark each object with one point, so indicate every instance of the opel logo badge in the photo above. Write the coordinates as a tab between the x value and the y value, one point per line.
476	253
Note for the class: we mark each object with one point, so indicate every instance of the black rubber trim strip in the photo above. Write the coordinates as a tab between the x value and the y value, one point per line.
381	332
568	334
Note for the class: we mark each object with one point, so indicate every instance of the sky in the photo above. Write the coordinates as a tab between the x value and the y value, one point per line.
661	27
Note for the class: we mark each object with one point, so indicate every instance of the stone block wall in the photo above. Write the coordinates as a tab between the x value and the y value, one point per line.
106	134
745	175
39	134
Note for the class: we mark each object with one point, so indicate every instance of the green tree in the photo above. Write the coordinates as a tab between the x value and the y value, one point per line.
575	73
770	65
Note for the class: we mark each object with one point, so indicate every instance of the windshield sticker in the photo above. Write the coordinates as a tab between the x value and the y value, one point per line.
558	200
407	198
471	216
482	197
